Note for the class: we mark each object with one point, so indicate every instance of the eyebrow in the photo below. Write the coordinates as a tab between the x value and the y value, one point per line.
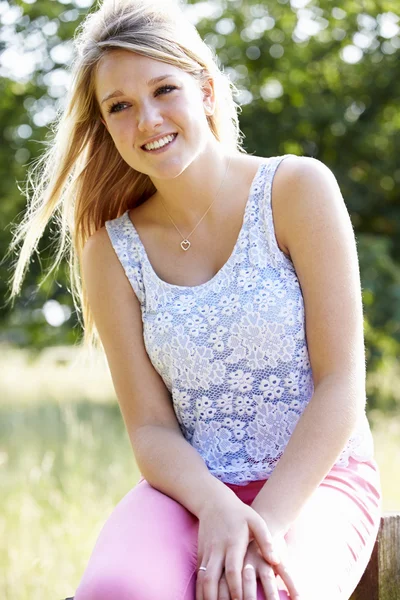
149	83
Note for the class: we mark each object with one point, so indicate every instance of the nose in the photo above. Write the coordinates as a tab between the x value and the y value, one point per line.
148	118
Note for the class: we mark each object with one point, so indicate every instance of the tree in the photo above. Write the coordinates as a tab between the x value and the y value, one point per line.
314	78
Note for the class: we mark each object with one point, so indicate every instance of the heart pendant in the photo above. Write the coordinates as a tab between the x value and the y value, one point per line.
185	245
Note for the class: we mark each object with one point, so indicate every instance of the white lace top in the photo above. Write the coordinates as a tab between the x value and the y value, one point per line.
232	351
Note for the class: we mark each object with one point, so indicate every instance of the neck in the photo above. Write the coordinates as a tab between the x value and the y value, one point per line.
188	197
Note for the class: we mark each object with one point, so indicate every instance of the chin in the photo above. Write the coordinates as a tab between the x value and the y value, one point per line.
164	169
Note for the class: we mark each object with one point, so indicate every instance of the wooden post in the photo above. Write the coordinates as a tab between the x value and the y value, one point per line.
381	580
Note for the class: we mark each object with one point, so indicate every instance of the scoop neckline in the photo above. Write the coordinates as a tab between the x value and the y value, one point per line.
225	266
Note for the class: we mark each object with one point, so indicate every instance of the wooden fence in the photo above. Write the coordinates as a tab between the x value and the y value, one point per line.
381	580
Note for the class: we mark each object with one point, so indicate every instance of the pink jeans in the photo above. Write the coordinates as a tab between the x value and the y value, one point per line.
147	549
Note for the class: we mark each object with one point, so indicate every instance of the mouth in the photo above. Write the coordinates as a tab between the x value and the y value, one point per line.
156	148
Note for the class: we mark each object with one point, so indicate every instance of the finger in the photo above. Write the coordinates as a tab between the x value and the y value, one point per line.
202	561
207	581
223	590
268	581
287	578
264	540
249	582
233	570
199	585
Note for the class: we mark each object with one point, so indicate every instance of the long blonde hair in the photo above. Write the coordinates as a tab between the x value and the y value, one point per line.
81	180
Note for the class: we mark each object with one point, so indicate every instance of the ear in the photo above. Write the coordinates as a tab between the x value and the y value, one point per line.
209	96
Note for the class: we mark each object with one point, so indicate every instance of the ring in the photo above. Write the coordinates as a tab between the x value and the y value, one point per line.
202	568
249	566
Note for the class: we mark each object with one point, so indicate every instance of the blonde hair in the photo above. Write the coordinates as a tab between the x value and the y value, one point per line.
81	180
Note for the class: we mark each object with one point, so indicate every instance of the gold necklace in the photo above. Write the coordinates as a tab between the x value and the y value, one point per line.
185	244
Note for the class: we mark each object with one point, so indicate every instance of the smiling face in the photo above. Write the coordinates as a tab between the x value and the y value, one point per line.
152	100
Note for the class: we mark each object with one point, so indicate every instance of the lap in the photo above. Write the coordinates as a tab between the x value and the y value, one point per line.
148	547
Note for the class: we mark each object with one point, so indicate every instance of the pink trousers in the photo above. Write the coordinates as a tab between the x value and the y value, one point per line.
147	549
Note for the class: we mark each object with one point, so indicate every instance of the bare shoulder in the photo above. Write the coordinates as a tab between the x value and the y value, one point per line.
300	168
298	179
100	263
104	278
298	173
96	247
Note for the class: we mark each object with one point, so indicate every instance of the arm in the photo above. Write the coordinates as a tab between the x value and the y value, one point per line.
170	464
319	236
166	460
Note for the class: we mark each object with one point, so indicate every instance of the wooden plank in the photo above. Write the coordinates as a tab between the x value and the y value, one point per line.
381	580
368	587
389	558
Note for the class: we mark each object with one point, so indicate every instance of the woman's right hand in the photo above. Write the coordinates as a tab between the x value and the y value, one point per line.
226	527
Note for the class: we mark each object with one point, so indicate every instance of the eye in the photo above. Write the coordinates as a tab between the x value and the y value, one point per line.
113	107
165	89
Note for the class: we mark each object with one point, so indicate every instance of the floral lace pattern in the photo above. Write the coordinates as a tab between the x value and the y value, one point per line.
232	351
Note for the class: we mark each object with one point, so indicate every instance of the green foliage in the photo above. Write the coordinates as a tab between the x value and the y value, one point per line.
320	80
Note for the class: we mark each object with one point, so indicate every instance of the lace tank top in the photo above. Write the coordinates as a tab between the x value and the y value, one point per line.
232	351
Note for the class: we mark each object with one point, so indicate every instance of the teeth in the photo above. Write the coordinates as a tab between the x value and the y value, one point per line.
159	143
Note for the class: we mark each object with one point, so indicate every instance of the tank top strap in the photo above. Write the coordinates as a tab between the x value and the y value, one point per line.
126	247
276	255
129	250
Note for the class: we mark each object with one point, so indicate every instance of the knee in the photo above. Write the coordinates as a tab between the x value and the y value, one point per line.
112	586
106	586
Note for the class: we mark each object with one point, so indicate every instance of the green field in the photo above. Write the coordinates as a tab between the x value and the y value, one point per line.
66	461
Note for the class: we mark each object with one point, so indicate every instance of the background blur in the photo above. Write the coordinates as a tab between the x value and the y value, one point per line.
316	78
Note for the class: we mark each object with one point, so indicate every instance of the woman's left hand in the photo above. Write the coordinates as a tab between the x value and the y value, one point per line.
261	569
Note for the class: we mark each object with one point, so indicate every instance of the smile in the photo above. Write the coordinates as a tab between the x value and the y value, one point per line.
160	144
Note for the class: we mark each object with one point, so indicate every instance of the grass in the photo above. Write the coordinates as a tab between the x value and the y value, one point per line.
66	461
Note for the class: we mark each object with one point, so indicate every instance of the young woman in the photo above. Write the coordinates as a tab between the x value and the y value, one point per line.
225	291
